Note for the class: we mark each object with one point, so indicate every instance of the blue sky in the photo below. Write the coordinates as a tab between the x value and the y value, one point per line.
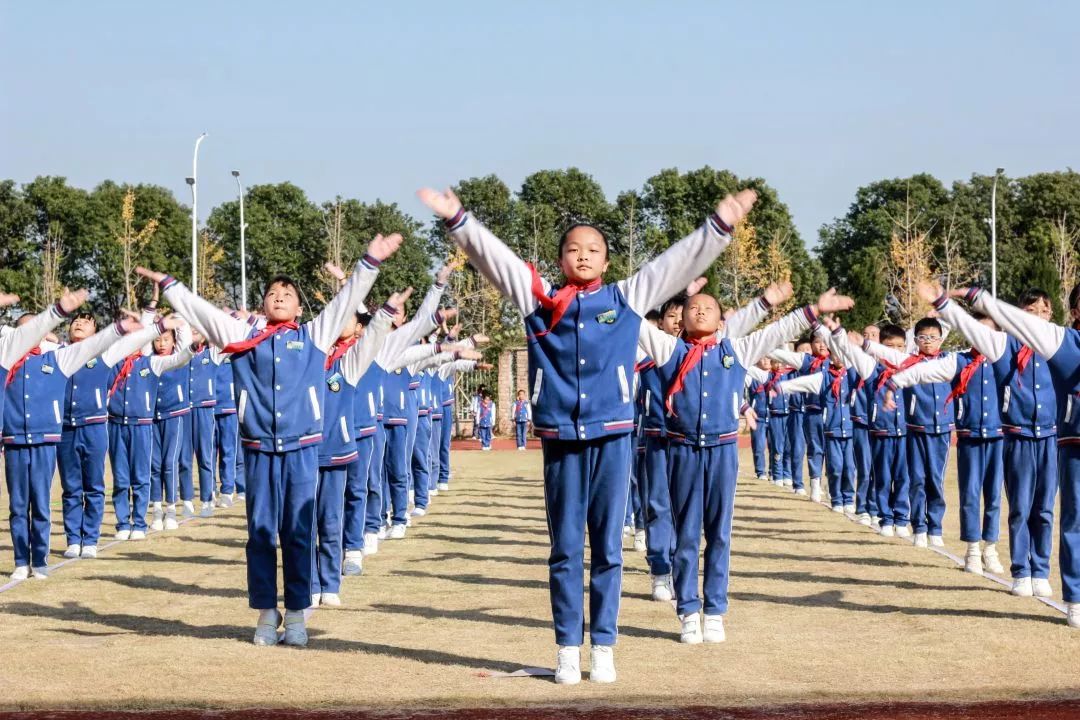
372	100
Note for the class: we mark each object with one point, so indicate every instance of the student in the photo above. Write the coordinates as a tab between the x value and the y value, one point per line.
1026	458
227	435
704	376
796	434
862	450
522	416
778	409
485	420
170	428
816	362
202	395
582	351
930	426
888	425
279	371
758	400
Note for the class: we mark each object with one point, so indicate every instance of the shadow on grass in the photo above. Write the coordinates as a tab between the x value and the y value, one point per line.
509	527
818	578
185	559
468	579
481	540
538	561
154	582
841	559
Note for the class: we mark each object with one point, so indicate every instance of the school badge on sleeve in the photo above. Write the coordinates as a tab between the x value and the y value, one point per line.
607	317
727	361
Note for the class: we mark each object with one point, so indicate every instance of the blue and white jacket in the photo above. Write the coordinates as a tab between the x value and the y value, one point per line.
881	421
134	400
927	409
836	405
17	341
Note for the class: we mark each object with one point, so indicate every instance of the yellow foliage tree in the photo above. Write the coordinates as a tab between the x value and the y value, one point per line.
210	258
777	267
132	243
741	271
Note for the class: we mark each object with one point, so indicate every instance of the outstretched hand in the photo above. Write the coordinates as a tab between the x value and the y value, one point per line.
444	204
151	275
830	322
831	302
929	291
383	247
959	292
855	338
7	299
734	208
398	300
335	272
449	313
72	300
779	293
695	287
484	366
470	354
480	339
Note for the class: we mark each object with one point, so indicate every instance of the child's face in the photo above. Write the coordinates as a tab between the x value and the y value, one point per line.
896	343
521	395
1040	309
81	328
928	341
197	337
775	365
804	347
163	344
818	346
671	322
872	333
701	316
765	363
584	255
281	303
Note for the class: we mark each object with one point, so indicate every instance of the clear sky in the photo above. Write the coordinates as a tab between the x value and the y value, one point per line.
372	100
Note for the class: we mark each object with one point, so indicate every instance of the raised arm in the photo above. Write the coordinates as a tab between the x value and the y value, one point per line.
444	356
217	326
131	342
360	356
757	345
1041	336
991	343
427	318
327	325
72	357
942	369
656	343
406	357
852	355
883	352
746	318
802	384
755	373
789	357
25	337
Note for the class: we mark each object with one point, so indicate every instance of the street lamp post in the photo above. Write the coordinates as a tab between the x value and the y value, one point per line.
993	233
243	255
195	216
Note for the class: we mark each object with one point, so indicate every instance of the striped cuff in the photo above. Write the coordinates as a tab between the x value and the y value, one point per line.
438	348
941	301
765	302
59	310
810	315
839	332
437	318
459	219
719	225
370	262
866	345
973	294
389	309
744	408
160	325
167	282
120	328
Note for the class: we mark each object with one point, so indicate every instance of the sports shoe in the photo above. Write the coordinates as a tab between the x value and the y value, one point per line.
937	541
568	665
159	518
397	532
661	588
371	543
21	572
267	627
714	629
602	667
138	534
331	599
521	449
838	508
763	478
1040	587
225	501
316	598
412	497
627	530
919	540
639	541
354	562
383	533
39	573
903	531
973	562
1072	614
443	487
801	491
875	524
73	550
1021	587
815	489
408	520
991	561
779	482
690	633
89	552
788	482
123	534
170	522
864	519
295	629
887	531
433	492
240	497
849	509
207	510
418	512
189	508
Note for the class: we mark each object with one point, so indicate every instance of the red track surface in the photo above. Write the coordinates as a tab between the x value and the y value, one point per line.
1033	710
501	443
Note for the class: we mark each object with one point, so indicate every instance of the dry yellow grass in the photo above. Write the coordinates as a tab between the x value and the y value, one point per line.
822	609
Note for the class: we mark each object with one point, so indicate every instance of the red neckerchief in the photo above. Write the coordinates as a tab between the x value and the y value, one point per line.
271	328
340	348
891	369
125	371
693	357
1022	359
817	362
838	375
560	302
19	363
965	376
774	378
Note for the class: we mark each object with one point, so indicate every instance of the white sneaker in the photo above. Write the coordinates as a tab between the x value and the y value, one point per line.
815	489
887	531
331	599
627	530
397	533
778	482
937	541
157	523
1040	587
919	540
991	561
418	512
371	543
661	588
383	533
875	524
864	519
123	534
21	572
764	478
690	634
838	508
903	531
89	552
73	551
295	629
316	598
354	563
189	508
973	562
408	520
39	573
207	510
602	669
568	665
788	482
433	492
849	509
443	487
267	627
412	497
170	522
1021	587
1072	614
225	501
639	541
138	534
714	629
241	497
801	491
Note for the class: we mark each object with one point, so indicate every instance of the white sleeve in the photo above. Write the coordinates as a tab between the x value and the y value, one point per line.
656	343
129	344
883	352
26	337
942	369
446	369
853	356
163	363
495	261
989	342
804	384
788	357
431	361
756	345
216	325
746	318
1042	337
427	318
755	373
359	357
670	272
406	357
326	326
72	357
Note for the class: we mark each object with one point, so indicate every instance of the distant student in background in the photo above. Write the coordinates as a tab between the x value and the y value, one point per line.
485	420
522	416
758	400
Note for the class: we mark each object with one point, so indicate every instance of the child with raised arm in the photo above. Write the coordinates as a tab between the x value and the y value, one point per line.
583	340
703	375
796	432
812	363
279	372
758	400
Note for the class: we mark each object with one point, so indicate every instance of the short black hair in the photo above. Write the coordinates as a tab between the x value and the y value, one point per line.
653	316
84	315
927	323
363	318
888	331
678	301
1031	296
285	280
575	226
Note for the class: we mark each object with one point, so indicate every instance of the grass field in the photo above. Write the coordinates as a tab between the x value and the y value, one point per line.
822	610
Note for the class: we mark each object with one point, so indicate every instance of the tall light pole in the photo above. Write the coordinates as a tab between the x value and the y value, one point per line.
243	255
993	232
195	216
